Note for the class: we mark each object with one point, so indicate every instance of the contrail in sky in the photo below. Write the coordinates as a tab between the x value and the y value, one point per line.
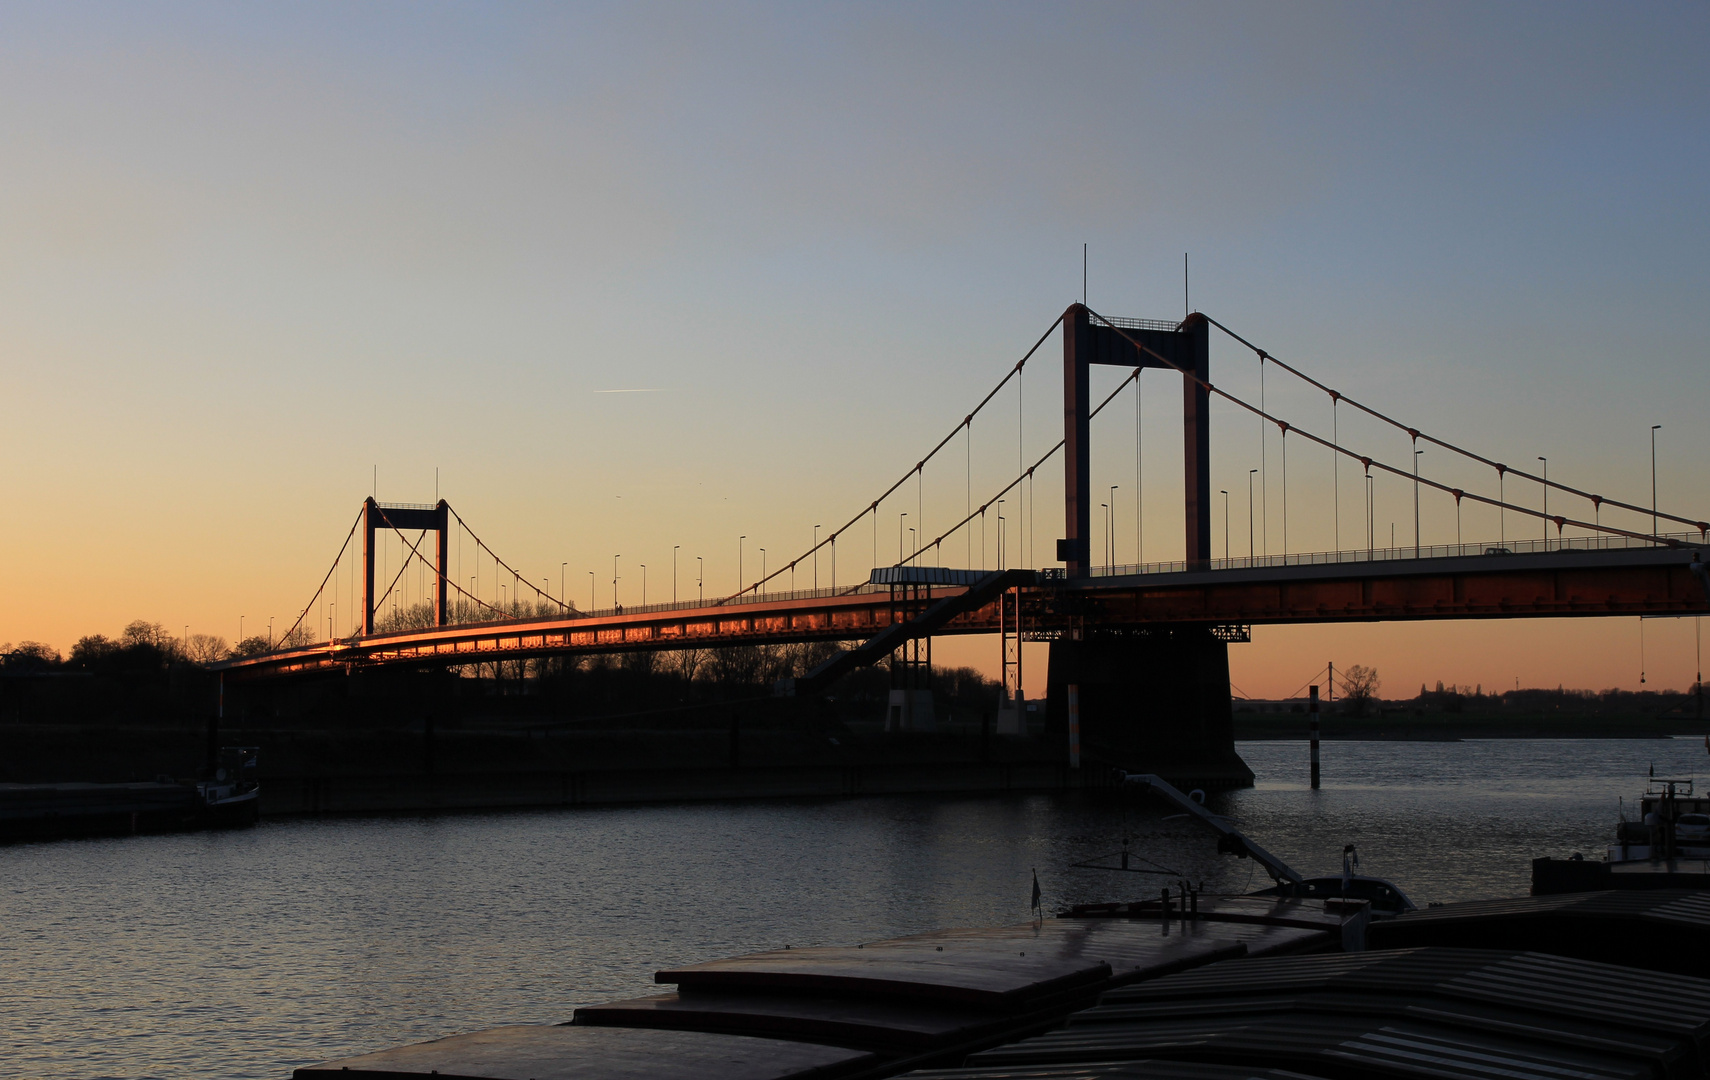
637	390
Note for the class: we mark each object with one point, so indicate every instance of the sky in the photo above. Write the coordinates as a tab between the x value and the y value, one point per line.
259	261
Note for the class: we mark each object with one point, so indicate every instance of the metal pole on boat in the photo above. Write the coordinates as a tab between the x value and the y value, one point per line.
1312	713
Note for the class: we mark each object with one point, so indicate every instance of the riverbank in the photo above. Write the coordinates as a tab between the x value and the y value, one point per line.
394	770
1412	726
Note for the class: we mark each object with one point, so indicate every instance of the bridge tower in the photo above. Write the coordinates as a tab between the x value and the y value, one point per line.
401	516
1183	347
1153	699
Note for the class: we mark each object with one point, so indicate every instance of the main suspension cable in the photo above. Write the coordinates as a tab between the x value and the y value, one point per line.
1416	434
1370	462
416	553
1027	473
873	508
341	550
563	605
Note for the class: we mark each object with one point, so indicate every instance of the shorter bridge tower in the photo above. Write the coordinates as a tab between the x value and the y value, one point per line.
398	517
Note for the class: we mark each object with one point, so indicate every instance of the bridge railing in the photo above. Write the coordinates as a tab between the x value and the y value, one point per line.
731	603
1402	552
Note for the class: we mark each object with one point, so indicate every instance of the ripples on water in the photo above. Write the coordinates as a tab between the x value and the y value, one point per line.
245	954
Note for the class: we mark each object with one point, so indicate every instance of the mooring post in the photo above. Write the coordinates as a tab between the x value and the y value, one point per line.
1074	726
1312	713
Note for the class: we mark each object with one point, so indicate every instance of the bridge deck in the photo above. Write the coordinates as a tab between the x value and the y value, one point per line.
1565	582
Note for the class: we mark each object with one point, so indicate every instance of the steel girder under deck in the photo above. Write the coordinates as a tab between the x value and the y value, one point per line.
1573	584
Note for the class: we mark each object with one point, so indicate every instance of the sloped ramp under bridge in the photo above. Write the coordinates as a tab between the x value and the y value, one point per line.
982	591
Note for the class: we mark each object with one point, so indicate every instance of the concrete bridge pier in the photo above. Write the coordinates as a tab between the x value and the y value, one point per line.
1152	700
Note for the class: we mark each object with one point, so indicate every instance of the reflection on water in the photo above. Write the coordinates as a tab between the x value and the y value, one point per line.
245	954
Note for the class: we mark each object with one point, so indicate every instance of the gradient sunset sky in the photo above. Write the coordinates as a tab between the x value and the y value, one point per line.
252	256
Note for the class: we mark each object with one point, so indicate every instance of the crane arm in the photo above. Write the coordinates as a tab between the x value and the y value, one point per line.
1230	838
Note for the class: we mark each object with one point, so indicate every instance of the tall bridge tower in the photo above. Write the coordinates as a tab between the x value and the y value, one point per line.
1184	348
1156	697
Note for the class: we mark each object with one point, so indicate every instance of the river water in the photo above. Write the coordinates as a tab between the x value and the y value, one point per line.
246	954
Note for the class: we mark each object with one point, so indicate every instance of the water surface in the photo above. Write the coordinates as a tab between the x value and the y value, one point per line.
246	954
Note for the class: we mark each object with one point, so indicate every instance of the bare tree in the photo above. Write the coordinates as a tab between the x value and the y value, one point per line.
143	632
206	648
689	662
1359	687
254	645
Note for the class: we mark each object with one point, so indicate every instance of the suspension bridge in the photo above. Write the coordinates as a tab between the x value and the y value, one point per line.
1138	655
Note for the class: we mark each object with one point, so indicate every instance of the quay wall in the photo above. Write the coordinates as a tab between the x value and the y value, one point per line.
477	791
420	768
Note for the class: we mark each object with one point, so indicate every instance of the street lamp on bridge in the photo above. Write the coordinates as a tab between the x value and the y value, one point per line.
1416	454
1654	429
1113	488
1106	508
1546	462
615	604
643	584
562	594
591	600
1250	473
701	577
1225	495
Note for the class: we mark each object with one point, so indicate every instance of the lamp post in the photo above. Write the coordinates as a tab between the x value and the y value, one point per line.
1416	454
674	548
701	578
269	630
1546	462
1654	429
643	584
1112	529
614	583
1371	526
591	600
1225	495
1250	473
1106	508
900	524
762	580
564	596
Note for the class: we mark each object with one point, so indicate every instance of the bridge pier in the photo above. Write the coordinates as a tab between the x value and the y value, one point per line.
1151	700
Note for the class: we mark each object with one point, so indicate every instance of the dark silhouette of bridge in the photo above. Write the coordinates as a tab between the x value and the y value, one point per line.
1138	655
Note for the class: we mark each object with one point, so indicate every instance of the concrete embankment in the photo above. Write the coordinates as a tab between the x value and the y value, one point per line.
420	768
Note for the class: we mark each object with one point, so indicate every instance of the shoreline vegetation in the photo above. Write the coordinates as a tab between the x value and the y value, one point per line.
144	703
1444	728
